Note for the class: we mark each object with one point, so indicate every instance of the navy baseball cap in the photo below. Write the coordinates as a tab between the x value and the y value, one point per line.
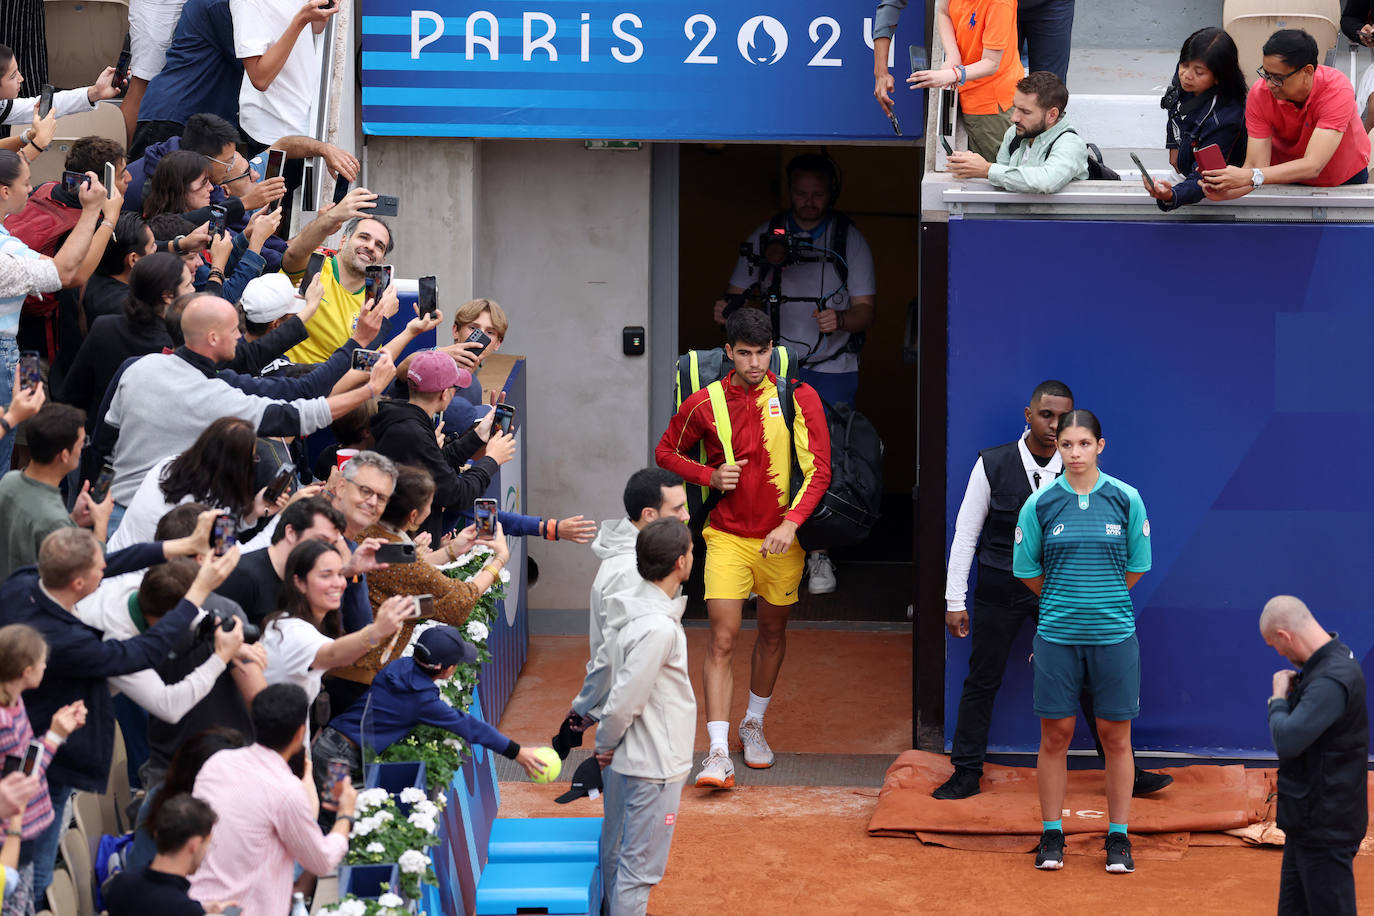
439	647
586	782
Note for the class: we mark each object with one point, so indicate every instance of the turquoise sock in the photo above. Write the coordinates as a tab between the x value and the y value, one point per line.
1054	825
1116	828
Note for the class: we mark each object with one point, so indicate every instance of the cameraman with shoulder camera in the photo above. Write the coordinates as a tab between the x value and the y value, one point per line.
808	253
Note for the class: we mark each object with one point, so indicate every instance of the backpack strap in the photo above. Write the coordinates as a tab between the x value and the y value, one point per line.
720	413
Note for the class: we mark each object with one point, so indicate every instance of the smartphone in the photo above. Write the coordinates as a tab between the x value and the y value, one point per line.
109	180
1209	158
339	773
231	911
222	538
121	74
279	484
920	60
312	269
364	360
376	278
32	755
340	188
505	418
101	488
217	218
385	206
896	125
276	159
11	764
45	101
396	553
949	150
423	608
429	296
484	515
72	181
1149	182
479	336
29	374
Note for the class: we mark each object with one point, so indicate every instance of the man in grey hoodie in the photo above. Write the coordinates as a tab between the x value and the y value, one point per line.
644	740
650	494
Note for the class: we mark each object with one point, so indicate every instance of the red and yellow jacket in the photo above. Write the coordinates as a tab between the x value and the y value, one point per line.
757	433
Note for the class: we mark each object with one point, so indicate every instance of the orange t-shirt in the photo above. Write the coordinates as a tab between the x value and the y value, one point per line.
990	24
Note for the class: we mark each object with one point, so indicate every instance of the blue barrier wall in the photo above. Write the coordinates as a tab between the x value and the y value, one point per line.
1229	365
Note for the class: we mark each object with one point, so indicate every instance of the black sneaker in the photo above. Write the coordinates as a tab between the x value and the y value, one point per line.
963	784
1119	861
1050	853
1147	783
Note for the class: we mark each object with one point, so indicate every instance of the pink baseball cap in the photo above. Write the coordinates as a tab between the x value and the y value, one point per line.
433	370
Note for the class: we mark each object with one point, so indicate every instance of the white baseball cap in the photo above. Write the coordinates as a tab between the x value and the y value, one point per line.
267	298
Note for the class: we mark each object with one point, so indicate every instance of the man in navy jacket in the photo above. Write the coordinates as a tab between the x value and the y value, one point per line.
70	567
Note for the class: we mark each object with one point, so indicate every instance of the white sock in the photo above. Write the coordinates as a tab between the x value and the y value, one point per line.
717	732
757	706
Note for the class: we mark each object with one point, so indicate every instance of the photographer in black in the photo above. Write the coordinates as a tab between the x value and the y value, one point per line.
811	269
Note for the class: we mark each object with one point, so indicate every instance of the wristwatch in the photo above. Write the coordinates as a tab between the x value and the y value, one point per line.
1256	178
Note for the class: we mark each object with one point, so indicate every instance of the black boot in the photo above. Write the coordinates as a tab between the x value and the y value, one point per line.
1147	783
963	784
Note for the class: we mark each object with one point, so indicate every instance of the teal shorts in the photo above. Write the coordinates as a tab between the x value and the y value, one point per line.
1111	674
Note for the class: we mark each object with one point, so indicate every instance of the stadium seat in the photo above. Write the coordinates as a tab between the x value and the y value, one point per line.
1251	22
84	37
78	860
62	894
118	787
90	821
105	121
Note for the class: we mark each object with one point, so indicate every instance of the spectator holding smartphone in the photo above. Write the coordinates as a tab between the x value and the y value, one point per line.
1302	123
1206	105
65	102
23	660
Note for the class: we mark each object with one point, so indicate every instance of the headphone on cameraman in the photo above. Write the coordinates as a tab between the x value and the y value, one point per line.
818	164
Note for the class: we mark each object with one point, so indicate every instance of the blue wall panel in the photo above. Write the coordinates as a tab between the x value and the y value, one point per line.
1229	365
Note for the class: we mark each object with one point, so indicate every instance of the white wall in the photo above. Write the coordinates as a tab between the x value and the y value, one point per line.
564	247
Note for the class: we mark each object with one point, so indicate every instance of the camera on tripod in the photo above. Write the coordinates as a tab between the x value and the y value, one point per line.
205	630
780	248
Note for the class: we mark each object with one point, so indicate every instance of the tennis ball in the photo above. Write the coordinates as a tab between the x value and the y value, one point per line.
553	765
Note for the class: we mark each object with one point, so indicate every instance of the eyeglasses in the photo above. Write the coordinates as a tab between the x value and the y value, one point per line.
368	494
1274	79
227	165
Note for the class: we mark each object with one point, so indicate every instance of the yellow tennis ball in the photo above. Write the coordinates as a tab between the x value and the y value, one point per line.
553	765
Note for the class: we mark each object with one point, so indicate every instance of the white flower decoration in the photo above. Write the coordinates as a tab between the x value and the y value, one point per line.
422	821
453	743
371	798
505	576
477	630
381	816
374	848
363	827
352	908
412	862
390	900
411	795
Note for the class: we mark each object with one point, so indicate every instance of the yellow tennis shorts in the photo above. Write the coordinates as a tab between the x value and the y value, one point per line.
734	568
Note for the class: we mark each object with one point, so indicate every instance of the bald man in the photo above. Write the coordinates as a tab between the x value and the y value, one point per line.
165	400
1320	727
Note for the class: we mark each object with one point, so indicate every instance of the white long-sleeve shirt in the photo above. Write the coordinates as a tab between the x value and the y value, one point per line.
107	609
66	102
973	513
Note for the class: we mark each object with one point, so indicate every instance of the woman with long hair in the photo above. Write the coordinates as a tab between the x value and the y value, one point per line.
1081	544
153	283
305	637
454	599
181	777
1206	105
181	183
216	470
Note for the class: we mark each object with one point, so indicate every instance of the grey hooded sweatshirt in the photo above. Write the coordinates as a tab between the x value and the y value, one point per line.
615	545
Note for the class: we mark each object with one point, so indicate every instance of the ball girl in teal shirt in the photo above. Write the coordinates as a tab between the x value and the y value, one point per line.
1080	545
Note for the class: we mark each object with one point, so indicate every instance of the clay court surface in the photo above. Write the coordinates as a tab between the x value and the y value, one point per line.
802	849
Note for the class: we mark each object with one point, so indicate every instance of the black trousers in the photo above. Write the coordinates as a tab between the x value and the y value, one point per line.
1317	880
1001	604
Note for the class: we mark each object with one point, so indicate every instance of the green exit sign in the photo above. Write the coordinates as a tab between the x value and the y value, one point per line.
614	144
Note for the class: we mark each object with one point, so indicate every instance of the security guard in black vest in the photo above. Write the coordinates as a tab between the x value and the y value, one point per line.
1320	727
1002	480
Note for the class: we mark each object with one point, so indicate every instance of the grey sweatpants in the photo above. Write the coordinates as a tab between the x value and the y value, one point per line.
635	837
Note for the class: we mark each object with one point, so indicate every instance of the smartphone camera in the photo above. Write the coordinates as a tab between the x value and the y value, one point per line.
484	517
222	536
429	296
505	418
101	488
376	277
73	181
217	220
32	755
423	607
479	336
364	360
30	376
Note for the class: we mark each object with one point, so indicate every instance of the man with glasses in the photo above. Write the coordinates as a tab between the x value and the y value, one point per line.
404	431
1303	124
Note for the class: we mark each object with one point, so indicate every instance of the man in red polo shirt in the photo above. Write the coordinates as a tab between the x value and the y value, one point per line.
1303	125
